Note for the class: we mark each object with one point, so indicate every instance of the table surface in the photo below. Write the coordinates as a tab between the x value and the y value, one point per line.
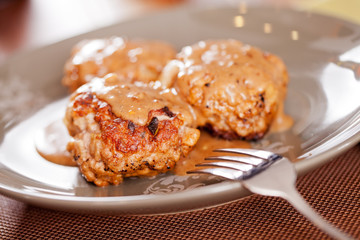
333	189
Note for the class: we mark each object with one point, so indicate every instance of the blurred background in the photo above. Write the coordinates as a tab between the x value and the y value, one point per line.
34	23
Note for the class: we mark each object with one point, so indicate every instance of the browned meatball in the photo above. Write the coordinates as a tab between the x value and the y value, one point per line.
121	130
134	60
235	89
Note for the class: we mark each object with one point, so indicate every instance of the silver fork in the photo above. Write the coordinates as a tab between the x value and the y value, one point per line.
268	174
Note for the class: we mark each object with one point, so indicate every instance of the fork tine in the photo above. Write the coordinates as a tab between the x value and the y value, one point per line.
233	165
249	160
221	172
250	152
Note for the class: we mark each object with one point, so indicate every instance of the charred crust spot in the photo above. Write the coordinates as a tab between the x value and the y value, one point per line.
153	125
228	135
262	97
255	136
131	126
87	99
207	106
167	111
262	101
207	84
231	135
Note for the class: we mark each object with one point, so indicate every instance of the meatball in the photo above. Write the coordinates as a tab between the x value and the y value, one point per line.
235	89
135	60
121	130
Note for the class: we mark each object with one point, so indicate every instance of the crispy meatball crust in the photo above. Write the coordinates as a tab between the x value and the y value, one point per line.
135	60
108	148
235	88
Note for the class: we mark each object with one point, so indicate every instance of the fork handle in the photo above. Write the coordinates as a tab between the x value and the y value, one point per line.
299	203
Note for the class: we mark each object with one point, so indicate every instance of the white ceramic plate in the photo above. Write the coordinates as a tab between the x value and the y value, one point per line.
323	98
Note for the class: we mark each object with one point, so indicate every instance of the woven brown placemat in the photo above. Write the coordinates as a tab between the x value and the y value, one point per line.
333	190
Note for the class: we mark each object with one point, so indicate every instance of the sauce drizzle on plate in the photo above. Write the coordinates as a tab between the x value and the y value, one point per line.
51	144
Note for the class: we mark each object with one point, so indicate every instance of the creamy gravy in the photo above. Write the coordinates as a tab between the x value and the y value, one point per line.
134	101
204	148
51	144
228	68
116	51
281	122
135	60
